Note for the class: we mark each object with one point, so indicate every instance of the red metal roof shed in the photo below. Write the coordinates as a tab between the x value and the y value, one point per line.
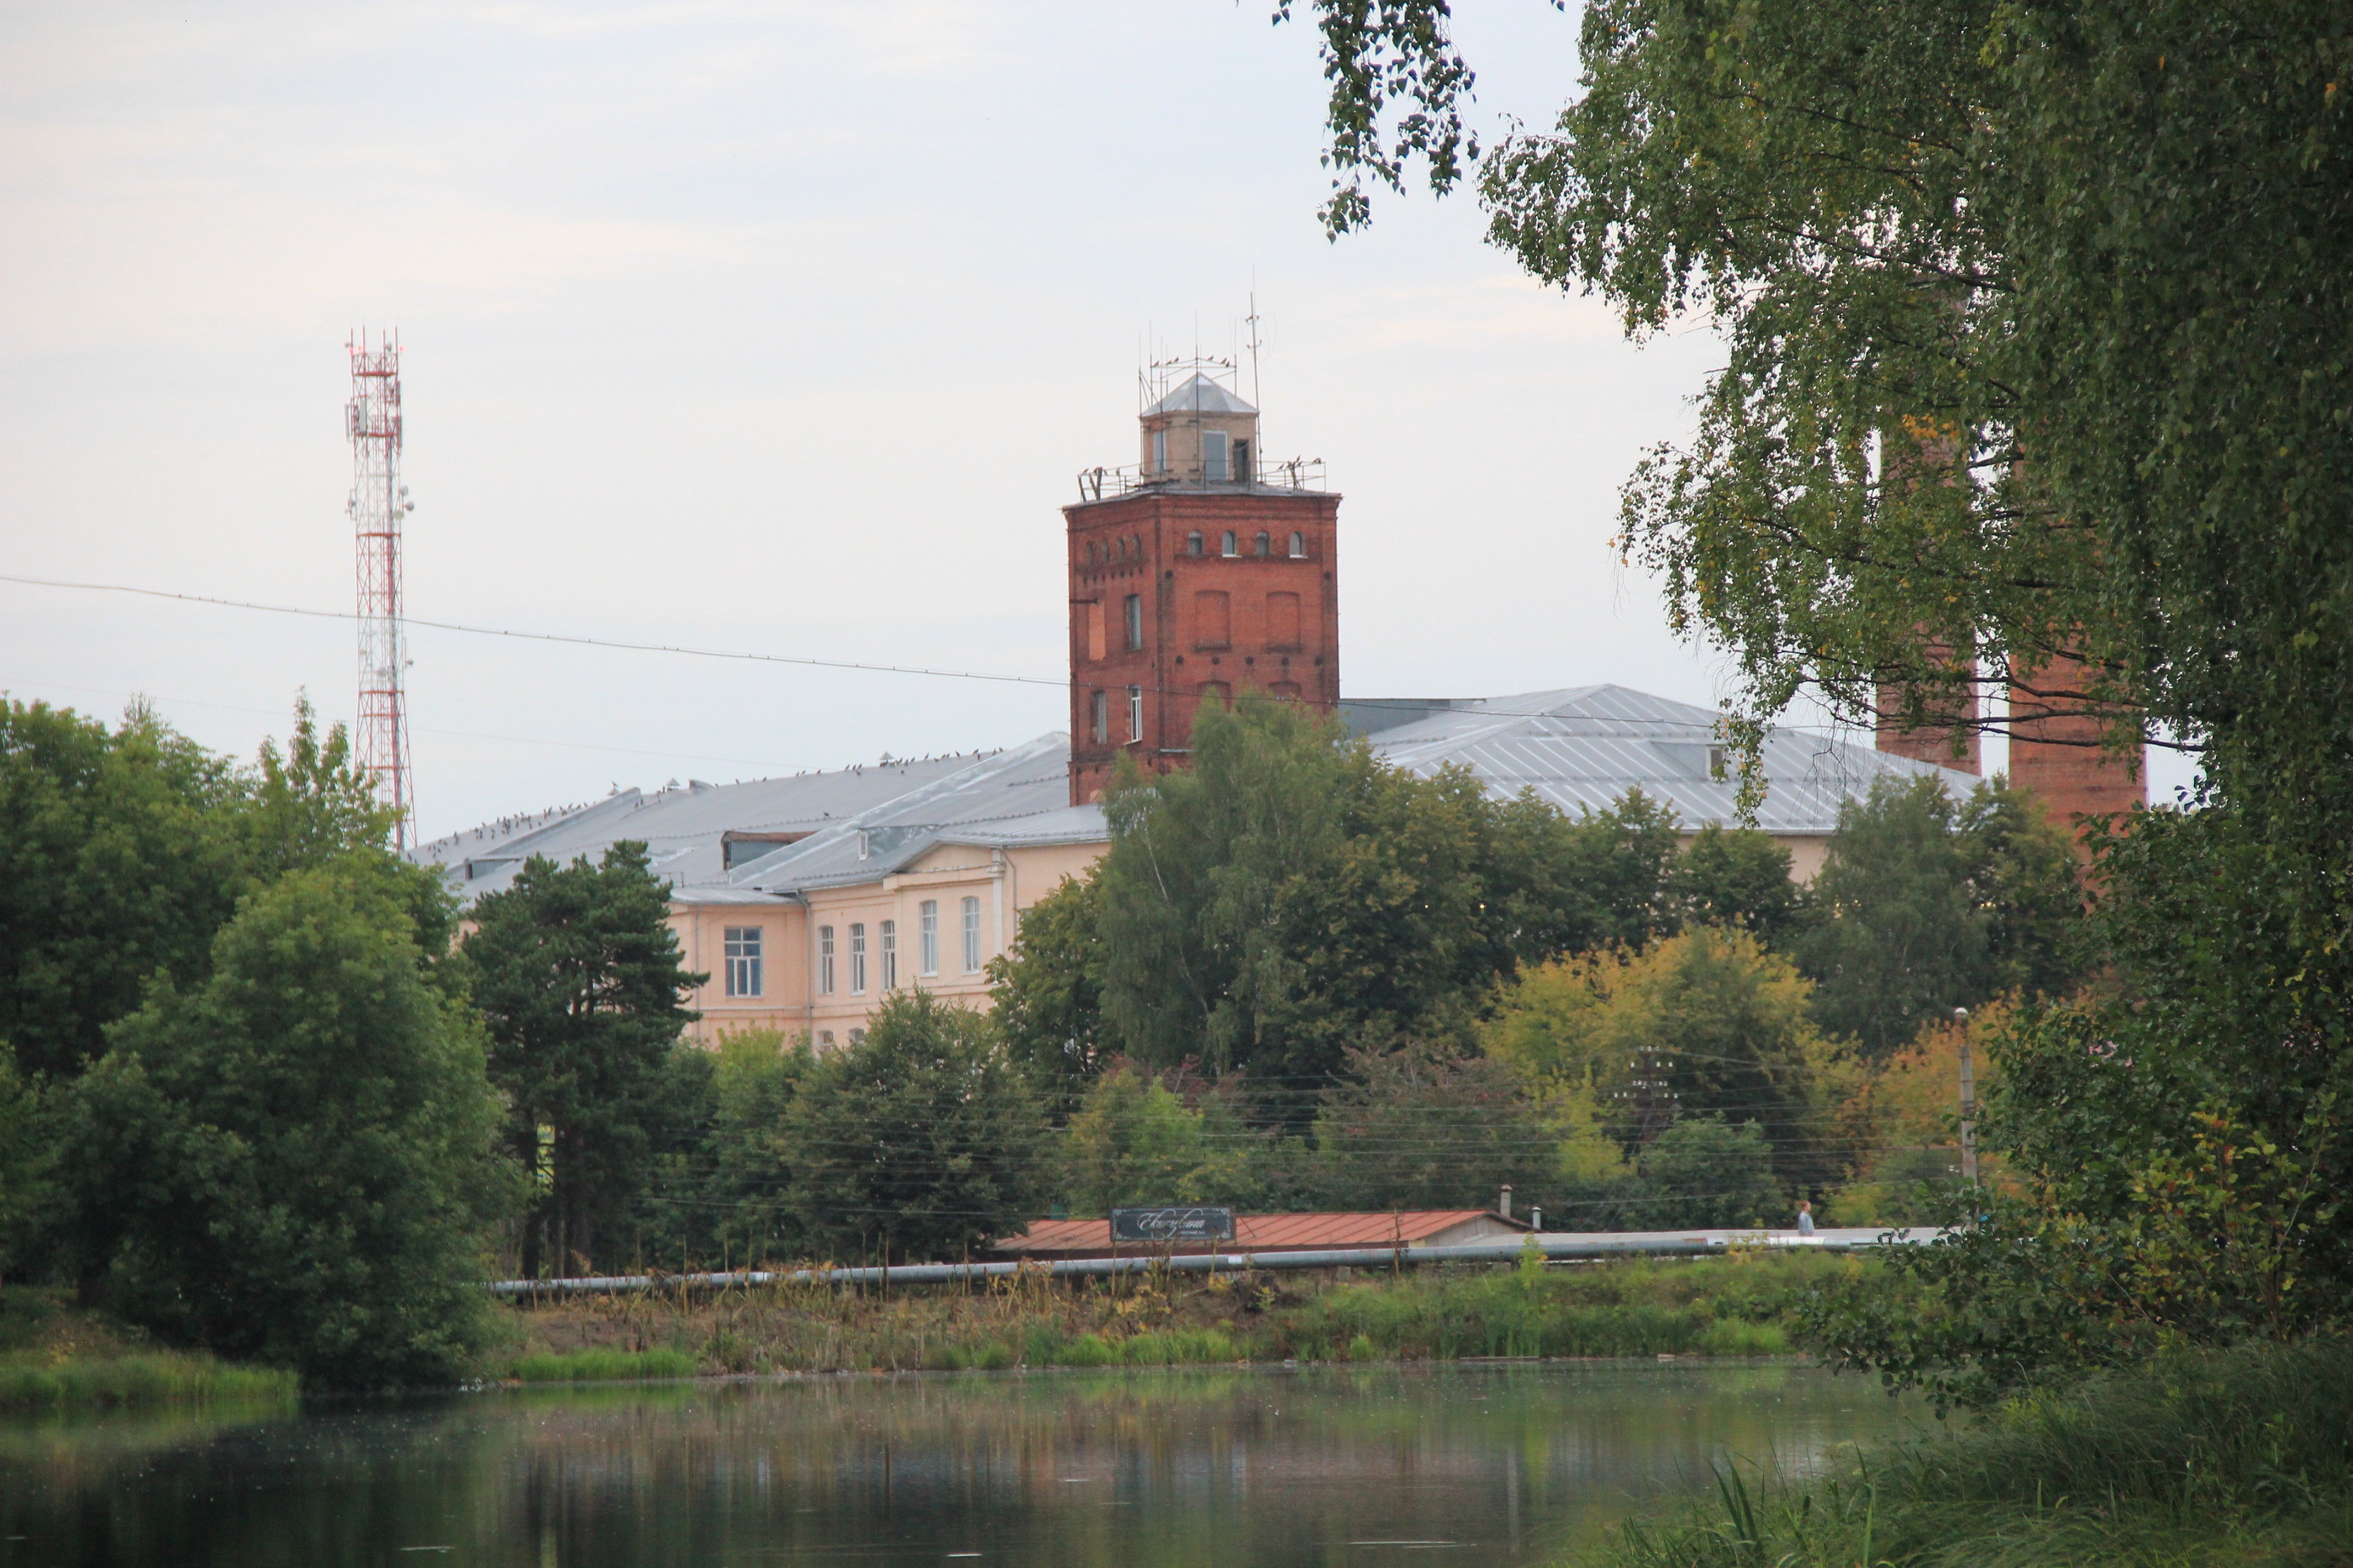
1054	1238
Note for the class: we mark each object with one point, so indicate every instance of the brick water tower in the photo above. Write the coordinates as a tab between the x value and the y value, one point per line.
1199	573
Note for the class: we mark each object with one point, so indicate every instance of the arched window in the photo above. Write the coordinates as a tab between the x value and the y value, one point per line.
1229	549
1193	543
1265	545
1298	545
1094	553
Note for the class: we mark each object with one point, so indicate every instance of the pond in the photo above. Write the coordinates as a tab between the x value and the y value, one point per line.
1489	1464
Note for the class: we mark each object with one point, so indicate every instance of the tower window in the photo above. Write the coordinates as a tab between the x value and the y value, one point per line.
1193	543
972	936
1160	451
1228	549
1134	714
1265	545
890	955
1298	545
1133	609
825	960
858	958
927	932
1101	725
744	960
1214	465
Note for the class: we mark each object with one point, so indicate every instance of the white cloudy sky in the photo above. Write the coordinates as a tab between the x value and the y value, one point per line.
764	326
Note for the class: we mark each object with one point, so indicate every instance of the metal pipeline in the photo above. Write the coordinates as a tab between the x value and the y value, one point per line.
1589	1245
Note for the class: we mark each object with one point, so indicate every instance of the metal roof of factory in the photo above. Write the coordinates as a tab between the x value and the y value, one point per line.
899	805
1584	747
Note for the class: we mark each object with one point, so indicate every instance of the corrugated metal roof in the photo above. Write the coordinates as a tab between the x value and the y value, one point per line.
1271	1232
1199	396
683	827
1584	747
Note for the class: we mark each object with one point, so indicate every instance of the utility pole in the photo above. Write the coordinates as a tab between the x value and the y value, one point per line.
1968	1100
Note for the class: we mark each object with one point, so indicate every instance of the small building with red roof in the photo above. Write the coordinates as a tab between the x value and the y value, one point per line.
1052	1239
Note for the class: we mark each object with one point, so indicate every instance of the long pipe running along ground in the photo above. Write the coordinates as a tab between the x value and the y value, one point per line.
1586	1246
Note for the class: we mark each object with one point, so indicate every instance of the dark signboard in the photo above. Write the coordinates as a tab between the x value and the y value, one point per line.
1159	1226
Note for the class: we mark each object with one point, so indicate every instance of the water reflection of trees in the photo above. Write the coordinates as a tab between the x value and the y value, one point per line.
1056	1468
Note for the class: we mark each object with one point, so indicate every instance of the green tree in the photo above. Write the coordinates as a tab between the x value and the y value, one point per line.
294	1161
576	971
2090	264
1046	989
1707	1021
114	865
921	1142
744	1186
1703	1172
1739	877
1253	906
24	1160
1134	1141
1423	1126
1901	941
1927	904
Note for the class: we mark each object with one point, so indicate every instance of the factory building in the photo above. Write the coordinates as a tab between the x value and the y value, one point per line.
1198	573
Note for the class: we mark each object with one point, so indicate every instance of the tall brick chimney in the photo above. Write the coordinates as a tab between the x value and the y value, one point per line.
2056	751
1932	741
1200	573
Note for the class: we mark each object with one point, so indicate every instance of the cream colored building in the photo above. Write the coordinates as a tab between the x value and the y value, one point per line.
809	899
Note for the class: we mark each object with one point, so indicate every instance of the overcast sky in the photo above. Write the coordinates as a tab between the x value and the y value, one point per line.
766	327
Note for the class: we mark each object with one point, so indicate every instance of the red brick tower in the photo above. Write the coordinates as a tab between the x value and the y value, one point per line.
1201	571
2054	748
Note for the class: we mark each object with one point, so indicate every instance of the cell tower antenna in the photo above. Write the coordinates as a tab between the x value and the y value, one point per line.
1256	401
379	500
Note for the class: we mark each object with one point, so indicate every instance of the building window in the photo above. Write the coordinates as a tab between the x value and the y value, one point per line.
972	936
857	1036
825	960
1132	611
1229	548
1193	543
1101	722
1134	714
825	1039
1213	466
1265	545
927	934
890	955
1298	545
1160	451
743	960
1286	690
858	958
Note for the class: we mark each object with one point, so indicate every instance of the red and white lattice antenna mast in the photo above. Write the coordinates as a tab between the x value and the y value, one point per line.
379	500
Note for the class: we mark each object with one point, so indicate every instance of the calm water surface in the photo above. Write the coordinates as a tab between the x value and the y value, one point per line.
1320	1466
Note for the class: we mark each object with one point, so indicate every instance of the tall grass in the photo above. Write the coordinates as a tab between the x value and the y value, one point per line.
1703	1307
159	1378
2239	1457
603	1366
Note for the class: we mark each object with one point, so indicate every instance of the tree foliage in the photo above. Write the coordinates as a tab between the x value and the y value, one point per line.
123	851
577	973
1925	904
1047	988
292	1162
922	1141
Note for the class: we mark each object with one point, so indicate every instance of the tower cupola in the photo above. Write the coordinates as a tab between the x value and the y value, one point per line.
1200	433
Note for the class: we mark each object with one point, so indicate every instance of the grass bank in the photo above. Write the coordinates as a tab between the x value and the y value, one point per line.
55	1356
2245	1457
1728	1306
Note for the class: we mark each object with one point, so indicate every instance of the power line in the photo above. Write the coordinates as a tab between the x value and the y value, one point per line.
565	637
